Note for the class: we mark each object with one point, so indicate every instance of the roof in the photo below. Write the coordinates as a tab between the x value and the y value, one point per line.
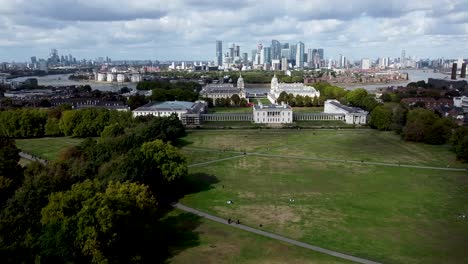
165	106
272	106
348	109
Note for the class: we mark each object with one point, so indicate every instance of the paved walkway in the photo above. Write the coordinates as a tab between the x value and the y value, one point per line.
325	159
274	236
30	157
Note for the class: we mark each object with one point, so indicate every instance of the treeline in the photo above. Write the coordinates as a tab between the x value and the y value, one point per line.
234	100
167	91
101	202
60	121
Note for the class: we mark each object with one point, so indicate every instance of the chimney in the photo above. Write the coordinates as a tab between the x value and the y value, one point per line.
454	71
463	71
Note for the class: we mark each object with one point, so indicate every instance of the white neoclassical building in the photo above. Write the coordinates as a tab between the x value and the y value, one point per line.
352	115
188	112
272	114
224	90
290	88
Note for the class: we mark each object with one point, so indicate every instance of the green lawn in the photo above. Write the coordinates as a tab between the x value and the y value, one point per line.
223	244
386	214
224	110
264	101
346	144
308	109
46	148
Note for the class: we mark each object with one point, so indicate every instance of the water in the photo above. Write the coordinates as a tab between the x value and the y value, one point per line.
62	80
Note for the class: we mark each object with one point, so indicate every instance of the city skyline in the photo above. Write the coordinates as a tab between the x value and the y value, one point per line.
186	30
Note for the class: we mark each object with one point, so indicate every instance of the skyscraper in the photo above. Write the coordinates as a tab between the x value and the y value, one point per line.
275	49
245	58
300	50
293	49
219	52
237	52
310	57
267	55
321	54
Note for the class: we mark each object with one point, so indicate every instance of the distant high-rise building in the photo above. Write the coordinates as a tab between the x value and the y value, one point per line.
245	58
237	52
267	55
293	49
321	54
219	53
275	49
53	56
300	50
310	57
286	53
33	60
403	57
365	64
284	64
253	55
342	63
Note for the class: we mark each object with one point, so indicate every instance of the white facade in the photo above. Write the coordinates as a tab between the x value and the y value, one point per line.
365	64
272	114
168	108
111	77
101	77
121	77
290	88
136	77
353	115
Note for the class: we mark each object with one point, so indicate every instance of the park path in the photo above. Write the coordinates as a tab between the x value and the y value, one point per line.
30	157
274	236
320	159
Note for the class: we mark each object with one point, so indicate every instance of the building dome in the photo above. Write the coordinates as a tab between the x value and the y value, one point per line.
240	82
274	83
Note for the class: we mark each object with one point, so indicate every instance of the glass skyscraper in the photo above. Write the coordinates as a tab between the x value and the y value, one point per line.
219	52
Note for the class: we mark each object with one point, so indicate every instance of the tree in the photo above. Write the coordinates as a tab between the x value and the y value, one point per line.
113	130
299	99
308	101
386	97
438	133
235	99
52	127
92	224
243	102
381	118
11	174
136	101
418	124
356	97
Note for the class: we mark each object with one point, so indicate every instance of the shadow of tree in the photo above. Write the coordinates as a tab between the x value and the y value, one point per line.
182	143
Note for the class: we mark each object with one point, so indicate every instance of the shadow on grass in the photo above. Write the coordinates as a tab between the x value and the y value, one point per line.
180	143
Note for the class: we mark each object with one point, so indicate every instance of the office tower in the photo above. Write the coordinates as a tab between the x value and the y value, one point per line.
219	52
463	71
285	53
343	62
245	58
253	54
33	60
266	55
403	57
300	50
365	64
293	49
275	49
285	46
321	54
284	64
454	71
231	52
310	57
237	52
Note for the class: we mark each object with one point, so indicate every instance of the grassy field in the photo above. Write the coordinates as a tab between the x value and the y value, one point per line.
308	109
46	148
222	244
224	110
387	214
264	101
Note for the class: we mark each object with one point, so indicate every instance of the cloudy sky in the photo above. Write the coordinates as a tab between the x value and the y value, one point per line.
187	29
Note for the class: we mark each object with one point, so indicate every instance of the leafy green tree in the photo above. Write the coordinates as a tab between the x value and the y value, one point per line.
97	224
113	130
11	174
235	99
52	127
438	133
381	118
308	101
136	101
357	96
243	102
418	124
